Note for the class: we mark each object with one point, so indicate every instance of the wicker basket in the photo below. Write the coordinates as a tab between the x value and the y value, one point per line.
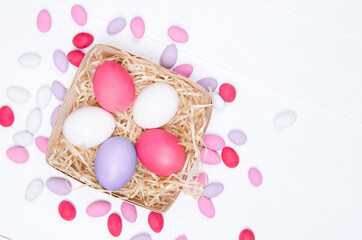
145	189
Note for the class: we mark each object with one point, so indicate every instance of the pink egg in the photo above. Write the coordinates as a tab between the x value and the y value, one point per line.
211	157
184	70
42	143
214	142
79	15
160	152
181	238
202	178
44	21
113	87
137	27
17	154
206	207
255	177
129	212
98	208
178	34
155	220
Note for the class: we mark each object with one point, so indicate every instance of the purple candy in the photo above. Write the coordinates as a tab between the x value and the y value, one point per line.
237	137
213	189
115	163
60	61
59	186
116	25
169	56
142	236
54	116
208	82
58	90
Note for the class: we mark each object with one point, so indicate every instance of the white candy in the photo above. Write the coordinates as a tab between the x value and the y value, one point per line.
18	94
219	103
23	138
285	119
34	189
29	60
155	106
43	97
88	126
33	122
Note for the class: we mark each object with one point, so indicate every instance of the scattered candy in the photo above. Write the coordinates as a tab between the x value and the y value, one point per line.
285	119
129	212
169	56
116	25
83	40
138	27
75	57
208	82
206	207
18	94
155	220
142	236
98	209
213	189
42	143
54	115
177	34
246	234
67	210
214	142
114	224
43	97
44	21
79	15
33	190
237	137
23	138
17	154
255	177
184	70
59	186
58	90
33	122
227	92
219	103
230	157
60	61
6	116
203	178
183	237
211	157
29	60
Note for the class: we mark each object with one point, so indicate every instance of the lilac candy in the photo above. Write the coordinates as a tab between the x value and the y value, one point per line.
60	61
213	189
54	116
59	186
237	137
116	25
208	82
142	236
58	90
169	56
115	163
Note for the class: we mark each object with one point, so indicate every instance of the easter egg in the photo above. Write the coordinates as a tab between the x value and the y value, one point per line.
178	34
246	234
113	87
54	115
43	96
116	25
155	220
115	163
184	70
67	210
169	56
137	27
83	40
160	152
98	208
88	126
214	142
6	116
129	212
206	207
44	21
42	143
230	157
29	60
60	61
79	15
58	90
227	92
75	57
155	106
33	121
17	154
33	190
59	186
18	94
114	224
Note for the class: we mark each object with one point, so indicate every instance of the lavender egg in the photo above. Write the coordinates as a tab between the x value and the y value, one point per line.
58	90
115	163
208	82
169	56
116	25
213	189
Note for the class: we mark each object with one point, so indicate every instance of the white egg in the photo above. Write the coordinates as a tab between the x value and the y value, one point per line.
219	103
43	97
18	94
88	126
23	138
285	119
155	106
29	60
33	122
34	189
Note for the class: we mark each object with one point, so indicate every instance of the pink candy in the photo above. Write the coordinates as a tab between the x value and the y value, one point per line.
42	143
155	220
129	212
181	238
79	15
178	34
17	154
98	208
137	27
206	207
44	21
184	70
211	157
255	177
214	142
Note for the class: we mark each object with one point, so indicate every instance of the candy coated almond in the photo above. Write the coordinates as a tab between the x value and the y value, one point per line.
184	70
44	21
246	234
83	40
255	177
206	207
209	157
178	34
75	57
67	210
214	142
227	92
114	224
98	208
17	154
230	157
137	27
155	220
79	15
42	143
129	212
6	116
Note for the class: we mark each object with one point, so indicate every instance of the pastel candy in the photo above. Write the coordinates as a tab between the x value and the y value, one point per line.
44	21
141	236
75	57
98	208
18	94
255	177
59	186
181	238
114	224
203	178
83	40
169	56
155	221
211	157
67	210
208	82
6	116
227	92
33	190
137	27
129	212
206	207
58	90
246	234
43	97
214	142
230	157
116	25
42	143
54	115
79	15
213	189
33	121
184	70
237	137
177	34
219	103
60	61
17	154
285	119
29	60
23	138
